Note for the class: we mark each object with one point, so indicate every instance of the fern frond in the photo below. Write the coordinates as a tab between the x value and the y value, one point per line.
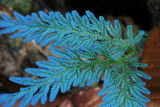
59	73
116	31
72	29
85	37
121	91
133	40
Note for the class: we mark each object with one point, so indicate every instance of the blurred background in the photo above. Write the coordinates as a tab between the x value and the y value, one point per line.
15	56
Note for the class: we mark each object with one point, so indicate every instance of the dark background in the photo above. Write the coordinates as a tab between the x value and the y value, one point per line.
143	12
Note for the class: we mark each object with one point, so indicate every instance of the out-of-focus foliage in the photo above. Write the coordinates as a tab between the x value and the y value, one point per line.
22	5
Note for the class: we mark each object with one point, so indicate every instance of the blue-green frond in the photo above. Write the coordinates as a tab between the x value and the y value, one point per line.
143	75
125	88
71	29
129	34
98	72
117	51
133	40
138	38
134	62
84	37
92	18
114	31
137	95
59	74
23	80
106	76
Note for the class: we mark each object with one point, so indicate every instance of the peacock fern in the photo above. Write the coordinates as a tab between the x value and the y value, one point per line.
85	37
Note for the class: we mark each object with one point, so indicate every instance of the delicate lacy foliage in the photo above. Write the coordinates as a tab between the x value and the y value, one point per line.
85	38
67	70
122	91
75	30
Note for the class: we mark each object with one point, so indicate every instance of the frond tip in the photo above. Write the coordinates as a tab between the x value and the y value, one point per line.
74	30
122	92
59	73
